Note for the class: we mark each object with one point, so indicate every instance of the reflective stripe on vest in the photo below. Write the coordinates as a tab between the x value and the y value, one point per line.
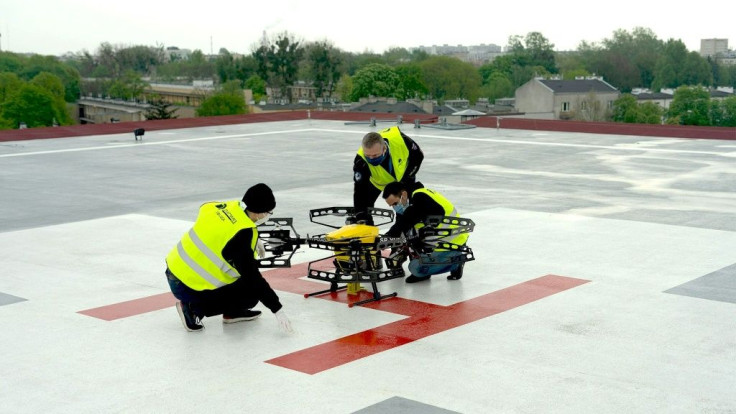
450	211
197	259
399	153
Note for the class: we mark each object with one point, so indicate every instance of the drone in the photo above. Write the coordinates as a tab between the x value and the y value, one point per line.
358	250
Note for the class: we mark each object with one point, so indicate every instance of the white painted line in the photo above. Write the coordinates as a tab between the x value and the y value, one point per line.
139	144
623	147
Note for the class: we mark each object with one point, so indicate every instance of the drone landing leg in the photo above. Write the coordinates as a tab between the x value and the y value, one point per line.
376	297
333	288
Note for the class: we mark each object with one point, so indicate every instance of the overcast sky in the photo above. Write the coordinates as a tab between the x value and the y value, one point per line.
59	26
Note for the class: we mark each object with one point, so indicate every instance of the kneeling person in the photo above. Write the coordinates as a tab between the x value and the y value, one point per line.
213	269
412	208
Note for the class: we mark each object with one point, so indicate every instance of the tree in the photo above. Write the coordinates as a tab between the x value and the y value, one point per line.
323	64
345	87
396	56
728	117
277	62
228	100
690	106
449	78
10	83
650	113
410	81
225	66
160	109
32	105
498	86
533	50
625	109
51	83
676	67
129	86
375	79
257	85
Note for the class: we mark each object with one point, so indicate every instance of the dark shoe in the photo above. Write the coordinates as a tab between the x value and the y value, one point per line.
456	274
415	279
245	315
192	322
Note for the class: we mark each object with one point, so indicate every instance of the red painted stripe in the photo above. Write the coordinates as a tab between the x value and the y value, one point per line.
426	321
132	307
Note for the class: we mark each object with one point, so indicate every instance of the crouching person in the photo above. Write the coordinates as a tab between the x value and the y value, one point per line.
213	269
412	209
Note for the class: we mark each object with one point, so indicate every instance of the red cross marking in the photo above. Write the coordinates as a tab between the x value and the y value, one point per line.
422	319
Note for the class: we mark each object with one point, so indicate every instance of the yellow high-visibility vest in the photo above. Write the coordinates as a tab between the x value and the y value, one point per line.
399	159
197	259
450	211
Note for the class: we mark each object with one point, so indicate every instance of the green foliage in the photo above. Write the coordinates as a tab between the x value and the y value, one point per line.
10	83
728	112
232	87
11	62
323	63
450	78
129	86
34	106
651	113
345	87
256	84
278	62
676	66
375	79
410	82
222	104
690	106
533	50
51	83
27	67
498	86
627	109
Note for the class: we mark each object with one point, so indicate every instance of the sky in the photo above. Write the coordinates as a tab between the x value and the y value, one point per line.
55	27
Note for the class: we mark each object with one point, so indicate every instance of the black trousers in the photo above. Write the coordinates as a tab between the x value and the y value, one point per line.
229	299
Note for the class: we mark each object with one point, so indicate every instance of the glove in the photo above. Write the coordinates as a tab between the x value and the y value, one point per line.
350	220
284	322
260	249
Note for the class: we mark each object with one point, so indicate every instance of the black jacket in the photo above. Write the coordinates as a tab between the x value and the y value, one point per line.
365	193
239	254
420	207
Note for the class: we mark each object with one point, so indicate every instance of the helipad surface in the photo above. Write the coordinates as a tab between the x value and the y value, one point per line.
604	279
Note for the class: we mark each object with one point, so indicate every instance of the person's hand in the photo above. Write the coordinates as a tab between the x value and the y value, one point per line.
350	220
284	322
260	249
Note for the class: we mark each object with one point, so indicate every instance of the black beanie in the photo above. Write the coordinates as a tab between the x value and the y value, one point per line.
259	199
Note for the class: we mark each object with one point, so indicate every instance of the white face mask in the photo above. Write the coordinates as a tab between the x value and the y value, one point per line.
263	219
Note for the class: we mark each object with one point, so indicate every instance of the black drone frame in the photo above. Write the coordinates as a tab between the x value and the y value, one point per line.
354	260
276	234
433	237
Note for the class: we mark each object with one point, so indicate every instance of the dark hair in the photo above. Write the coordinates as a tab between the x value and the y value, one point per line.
395	188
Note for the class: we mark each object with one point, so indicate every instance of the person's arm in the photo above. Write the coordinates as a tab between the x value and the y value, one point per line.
239	254
364	192
416	156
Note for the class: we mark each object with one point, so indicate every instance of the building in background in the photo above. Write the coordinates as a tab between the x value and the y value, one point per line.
581	99
713	47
